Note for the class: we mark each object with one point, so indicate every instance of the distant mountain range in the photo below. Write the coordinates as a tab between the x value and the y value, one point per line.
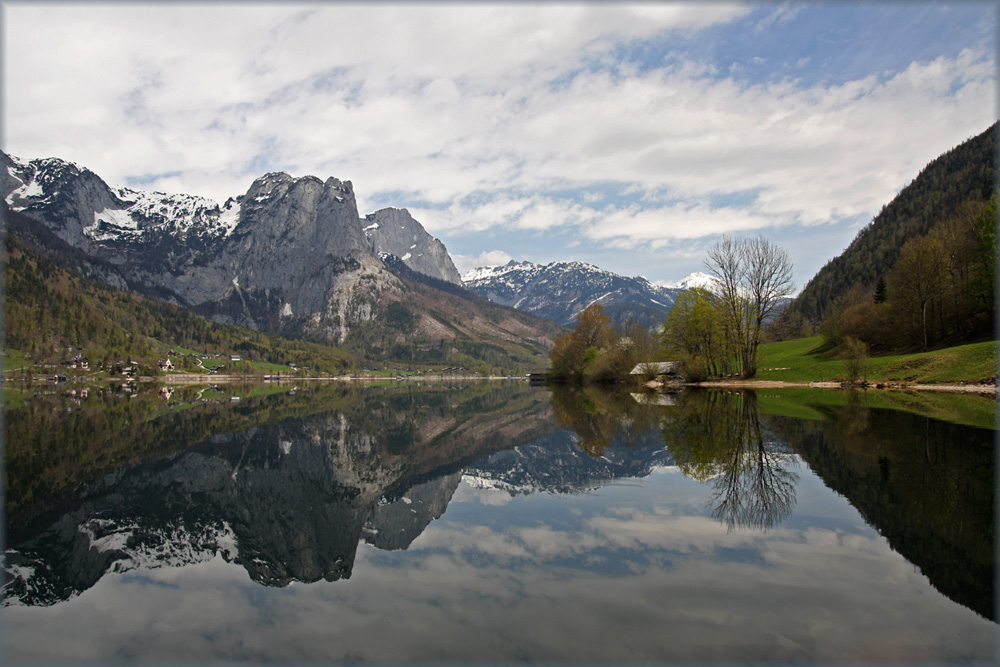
560	290
292	255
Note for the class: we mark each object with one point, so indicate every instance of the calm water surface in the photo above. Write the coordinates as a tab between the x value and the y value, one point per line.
496	522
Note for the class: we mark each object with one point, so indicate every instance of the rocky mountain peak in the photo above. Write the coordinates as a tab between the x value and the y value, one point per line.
288	254
393	231
69	195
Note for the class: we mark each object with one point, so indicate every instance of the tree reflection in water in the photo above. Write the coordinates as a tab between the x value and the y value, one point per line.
718	436
603	418
714	436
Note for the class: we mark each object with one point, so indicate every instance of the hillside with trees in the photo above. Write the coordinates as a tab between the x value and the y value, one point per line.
950	192
54	314
940	291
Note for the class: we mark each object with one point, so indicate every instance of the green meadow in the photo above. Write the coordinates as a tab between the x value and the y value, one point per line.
809	360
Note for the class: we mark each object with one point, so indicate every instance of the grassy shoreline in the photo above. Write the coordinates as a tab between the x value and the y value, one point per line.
975	388
807	361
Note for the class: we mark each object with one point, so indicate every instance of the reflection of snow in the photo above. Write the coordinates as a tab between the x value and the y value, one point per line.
482	491
666	470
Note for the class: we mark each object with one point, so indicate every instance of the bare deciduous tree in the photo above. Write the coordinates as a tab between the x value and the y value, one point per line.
753	276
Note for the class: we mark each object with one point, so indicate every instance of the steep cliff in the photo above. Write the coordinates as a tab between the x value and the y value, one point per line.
393	231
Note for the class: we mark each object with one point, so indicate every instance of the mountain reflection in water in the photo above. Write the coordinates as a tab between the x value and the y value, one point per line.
290	486
288	498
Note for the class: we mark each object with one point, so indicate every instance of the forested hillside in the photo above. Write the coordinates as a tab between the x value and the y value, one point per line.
957	183
53	314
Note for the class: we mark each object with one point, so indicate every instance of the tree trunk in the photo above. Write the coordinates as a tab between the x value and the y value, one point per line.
924	323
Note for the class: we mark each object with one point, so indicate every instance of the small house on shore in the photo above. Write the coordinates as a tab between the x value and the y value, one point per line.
657	368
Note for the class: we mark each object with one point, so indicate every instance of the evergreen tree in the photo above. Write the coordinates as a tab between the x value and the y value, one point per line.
880	290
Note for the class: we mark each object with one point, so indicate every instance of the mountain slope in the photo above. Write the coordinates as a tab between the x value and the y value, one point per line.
439	322
50	309
965	173
560	290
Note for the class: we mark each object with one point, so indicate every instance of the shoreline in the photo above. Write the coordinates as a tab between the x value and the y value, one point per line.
215	379
258	379
187	379
879	386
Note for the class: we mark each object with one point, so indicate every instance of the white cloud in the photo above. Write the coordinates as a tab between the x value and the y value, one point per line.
465	263
478	117
468	592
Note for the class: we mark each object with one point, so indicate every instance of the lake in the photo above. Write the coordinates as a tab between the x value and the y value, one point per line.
497	522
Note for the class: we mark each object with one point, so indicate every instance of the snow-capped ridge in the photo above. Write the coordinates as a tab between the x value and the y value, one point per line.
496	270
560	290
120	213
696	279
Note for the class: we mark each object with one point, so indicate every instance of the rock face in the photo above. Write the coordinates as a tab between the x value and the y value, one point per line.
393	231
560	290
393	525
289	256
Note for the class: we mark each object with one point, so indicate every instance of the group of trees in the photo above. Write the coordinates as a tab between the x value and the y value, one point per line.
599	351
940	290
718	332
715	332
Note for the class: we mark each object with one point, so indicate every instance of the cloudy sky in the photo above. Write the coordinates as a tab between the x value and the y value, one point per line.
631	137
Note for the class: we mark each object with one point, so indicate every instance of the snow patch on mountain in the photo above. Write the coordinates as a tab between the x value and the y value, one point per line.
110	223
692	280
229	217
